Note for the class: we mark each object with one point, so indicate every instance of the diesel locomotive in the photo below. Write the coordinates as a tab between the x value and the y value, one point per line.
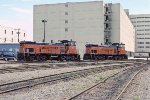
66	50
63	50
114	51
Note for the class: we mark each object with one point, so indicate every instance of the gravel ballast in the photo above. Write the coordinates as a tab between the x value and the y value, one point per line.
139	89
60	91
17	76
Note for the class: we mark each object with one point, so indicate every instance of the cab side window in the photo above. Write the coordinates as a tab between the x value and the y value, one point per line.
29	50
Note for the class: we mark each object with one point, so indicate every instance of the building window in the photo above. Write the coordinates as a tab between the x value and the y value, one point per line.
12	32
66	5
66	29
24	34
147	29
66	21
140	46
139	17
147	25
140	34
140	42
66	13
140	30
140	38
140	25
147	38
5	40
147	17
133	21
147	42
147	33
140	21
133	18
147	46
5	31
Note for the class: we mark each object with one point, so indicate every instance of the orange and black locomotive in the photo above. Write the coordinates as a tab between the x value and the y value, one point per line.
64	50
114	51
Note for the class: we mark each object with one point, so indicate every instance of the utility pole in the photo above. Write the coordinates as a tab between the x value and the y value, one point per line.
44	21
18	32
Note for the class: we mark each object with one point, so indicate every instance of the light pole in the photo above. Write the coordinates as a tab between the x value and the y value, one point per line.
44	21
18	33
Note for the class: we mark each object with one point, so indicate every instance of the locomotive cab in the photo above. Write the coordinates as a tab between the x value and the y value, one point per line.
68	43
70	50
70	46
26	48
121	52
119	45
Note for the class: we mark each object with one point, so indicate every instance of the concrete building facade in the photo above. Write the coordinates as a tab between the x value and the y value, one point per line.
141	23
85	22
10	35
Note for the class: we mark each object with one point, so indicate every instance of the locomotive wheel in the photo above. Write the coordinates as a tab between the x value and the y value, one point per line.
85	57
120	57
31	58
125	57
43	58
115	57
102	57
62	58
72	58
68	58
38	58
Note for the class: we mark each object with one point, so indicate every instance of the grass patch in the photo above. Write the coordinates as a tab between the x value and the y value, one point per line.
136	98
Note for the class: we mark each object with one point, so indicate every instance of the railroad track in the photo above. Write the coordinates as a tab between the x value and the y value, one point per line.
4	88
126	86
21	69
57	62
28	67
109	88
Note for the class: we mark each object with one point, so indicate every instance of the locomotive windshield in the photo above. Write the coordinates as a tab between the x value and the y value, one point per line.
118	45
72	43
68	43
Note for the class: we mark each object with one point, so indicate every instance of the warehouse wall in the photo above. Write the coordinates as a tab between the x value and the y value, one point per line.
127	31
122	29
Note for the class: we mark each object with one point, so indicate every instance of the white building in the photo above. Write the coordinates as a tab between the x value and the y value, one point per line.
141	23
84	22
10	35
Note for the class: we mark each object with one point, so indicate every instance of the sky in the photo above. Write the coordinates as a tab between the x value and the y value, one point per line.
19	13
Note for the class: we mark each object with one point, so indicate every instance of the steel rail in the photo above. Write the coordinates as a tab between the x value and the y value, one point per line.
4	88
94	86
129	82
